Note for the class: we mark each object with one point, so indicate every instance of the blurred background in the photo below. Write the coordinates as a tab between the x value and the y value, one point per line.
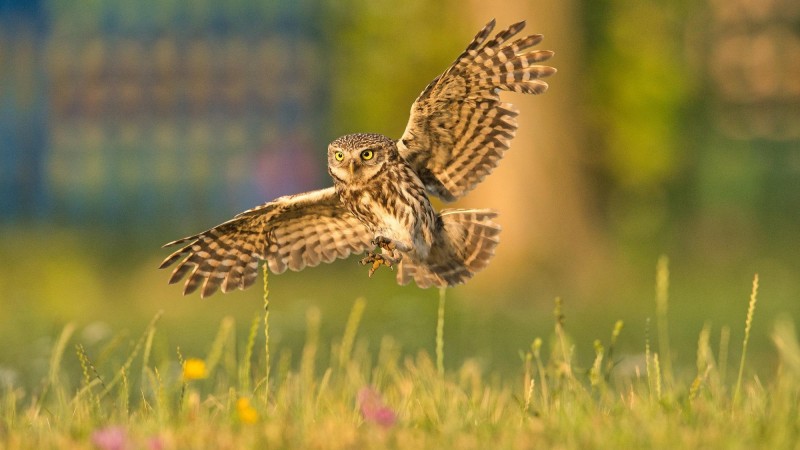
672	128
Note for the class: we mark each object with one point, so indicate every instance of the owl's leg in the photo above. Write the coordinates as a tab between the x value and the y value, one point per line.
389	256
390	245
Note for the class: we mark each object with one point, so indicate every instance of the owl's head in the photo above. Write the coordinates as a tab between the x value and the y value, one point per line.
359	156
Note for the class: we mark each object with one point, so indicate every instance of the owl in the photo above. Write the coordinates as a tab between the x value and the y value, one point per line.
379	203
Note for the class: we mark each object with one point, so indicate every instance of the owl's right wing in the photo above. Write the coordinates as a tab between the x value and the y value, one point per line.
459	128
293	231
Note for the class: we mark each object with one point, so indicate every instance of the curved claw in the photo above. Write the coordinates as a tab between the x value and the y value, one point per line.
377	260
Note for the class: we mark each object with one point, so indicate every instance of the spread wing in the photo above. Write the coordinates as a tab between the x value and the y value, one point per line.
293	231
459	128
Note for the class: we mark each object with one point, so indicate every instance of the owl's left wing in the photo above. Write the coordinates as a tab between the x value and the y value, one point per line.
459	128
293	231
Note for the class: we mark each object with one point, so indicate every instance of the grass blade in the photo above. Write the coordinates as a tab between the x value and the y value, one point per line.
662	305
748	323
350	331
266	335
440	333
244	370
129	361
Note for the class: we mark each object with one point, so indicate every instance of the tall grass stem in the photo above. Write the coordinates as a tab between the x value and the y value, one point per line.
58	353
724	346
748	323
217	347
55	361
266	335
350	331
148	345
657	370
566	351
648	360
309	357
536	348
134	353
244	372
662	306
440	332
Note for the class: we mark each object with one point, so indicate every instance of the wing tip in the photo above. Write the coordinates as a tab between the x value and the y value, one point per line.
518	25
175	242
170	260
543	55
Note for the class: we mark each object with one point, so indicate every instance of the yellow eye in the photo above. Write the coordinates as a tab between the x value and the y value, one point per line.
366	155
339	156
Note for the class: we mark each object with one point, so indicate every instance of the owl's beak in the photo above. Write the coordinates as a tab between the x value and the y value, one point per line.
352	167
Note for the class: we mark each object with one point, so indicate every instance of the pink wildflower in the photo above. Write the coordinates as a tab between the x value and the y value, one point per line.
110	438
373	409
154	443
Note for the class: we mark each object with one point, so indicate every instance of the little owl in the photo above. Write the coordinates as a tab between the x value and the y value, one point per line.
457	133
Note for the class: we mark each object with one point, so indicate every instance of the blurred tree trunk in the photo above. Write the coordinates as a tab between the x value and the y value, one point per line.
549	237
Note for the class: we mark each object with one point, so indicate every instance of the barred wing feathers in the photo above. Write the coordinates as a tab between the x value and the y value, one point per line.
459	129
294	232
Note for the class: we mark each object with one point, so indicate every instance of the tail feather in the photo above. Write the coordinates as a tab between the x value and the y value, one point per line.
463	248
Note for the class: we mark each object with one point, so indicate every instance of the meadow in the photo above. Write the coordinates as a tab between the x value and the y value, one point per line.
124	125
138	391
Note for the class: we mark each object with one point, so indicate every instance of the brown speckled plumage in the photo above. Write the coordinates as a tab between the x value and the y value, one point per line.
456	135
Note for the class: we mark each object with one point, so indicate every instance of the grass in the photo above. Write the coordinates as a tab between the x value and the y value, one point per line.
131	393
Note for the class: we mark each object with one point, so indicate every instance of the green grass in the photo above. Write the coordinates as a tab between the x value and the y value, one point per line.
134	392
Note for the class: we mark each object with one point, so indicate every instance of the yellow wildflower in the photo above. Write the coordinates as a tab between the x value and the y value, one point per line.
194	369
246	412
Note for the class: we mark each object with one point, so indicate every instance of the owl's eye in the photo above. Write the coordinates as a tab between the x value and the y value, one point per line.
339	156
366	155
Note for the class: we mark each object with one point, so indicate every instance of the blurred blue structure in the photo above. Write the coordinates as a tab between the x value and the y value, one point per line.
23	112
125	113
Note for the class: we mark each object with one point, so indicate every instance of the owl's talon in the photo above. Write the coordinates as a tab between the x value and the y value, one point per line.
374	267
377	260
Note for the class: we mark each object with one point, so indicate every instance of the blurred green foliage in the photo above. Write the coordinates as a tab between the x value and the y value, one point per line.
382	57
639	89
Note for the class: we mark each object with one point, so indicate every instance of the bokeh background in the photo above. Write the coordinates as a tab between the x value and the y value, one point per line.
672	128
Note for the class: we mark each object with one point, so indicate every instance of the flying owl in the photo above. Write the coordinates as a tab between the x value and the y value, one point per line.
379	202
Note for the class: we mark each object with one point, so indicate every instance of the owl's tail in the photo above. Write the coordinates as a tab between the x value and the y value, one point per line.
463	247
